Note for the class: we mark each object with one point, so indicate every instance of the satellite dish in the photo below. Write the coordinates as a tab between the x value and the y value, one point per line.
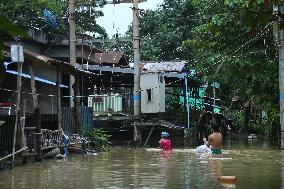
50	19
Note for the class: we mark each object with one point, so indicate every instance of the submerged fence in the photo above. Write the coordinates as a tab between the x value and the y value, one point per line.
48	126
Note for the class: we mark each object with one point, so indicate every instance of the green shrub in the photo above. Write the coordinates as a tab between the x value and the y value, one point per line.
98	138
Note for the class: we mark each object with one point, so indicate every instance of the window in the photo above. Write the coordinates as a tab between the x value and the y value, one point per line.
161	79
149	94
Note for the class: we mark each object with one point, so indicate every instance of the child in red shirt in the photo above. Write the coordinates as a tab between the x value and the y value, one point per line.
165	142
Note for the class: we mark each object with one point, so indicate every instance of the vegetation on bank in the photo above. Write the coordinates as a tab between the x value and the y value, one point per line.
231	42
98	139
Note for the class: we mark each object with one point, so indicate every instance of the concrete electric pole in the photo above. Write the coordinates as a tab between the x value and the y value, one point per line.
72	43
74	83
136	48
281	70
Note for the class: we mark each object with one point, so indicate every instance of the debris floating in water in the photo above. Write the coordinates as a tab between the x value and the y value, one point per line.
228	179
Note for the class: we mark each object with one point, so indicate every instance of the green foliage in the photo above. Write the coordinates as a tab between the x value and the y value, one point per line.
241	56
99	139
7	30
268	125
238	118
227	41
28	13
163	31
172	99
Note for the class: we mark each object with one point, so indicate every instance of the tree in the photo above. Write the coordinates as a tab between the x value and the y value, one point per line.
163	30
230	49
28	13
7	30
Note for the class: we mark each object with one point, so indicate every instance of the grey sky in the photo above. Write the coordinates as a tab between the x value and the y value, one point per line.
118	17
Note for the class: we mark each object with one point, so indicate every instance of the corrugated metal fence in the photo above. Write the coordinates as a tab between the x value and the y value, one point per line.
6	134
86	118
68	122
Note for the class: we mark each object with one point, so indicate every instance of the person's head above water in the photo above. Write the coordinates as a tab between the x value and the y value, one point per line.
215	127
165	134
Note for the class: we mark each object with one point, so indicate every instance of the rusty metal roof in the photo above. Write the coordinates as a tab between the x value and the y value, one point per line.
109	58
65	66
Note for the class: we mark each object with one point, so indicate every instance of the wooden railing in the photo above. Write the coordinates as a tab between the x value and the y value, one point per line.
51	138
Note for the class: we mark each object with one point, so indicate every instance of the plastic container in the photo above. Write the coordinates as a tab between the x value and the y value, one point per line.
228	179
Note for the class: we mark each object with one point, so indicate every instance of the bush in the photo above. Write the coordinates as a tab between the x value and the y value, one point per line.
99	139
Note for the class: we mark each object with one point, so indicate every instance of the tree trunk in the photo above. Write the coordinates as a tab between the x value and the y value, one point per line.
246	114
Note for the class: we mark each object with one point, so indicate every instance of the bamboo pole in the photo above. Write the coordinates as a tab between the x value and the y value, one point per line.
14	153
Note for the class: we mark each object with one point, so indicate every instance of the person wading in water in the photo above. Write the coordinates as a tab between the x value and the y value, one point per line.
214	140
165	142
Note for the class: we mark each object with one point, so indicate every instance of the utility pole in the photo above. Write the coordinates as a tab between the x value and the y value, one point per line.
72	43
74	96
281	71
136	48
17	55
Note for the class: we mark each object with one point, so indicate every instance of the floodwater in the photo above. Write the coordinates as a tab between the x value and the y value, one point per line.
255	165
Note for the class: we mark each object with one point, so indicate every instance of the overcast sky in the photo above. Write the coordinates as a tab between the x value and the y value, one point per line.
118	17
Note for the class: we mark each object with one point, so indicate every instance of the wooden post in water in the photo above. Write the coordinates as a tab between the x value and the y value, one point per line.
77	104
59	108
23	119
38	134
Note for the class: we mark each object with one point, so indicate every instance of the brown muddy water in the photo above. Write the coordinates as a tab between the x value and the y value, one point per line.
255	165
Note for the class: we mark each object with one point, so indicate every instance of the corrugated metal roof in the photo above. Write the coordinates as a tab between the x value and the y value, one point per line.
38	56
107	57
166	66
41	58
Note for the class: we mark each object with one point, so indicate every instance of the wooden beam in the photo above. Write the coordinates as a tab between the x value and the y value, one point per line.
35	100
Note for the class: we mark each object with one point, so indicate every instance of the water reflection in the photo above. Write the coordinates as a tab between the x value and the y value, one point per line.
254	167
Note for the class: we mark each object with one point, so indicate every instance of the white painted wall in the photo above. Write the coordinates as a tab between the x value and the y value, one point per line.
156	83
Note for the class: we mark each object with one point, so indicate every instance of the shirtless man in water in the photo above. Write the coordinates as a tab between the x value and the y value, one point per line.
215	140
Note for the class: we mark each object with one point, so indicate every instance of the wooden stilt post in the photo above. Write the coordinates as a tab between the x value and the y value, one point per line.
59	108
21	127
35	100
149	136
77	104
38	134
